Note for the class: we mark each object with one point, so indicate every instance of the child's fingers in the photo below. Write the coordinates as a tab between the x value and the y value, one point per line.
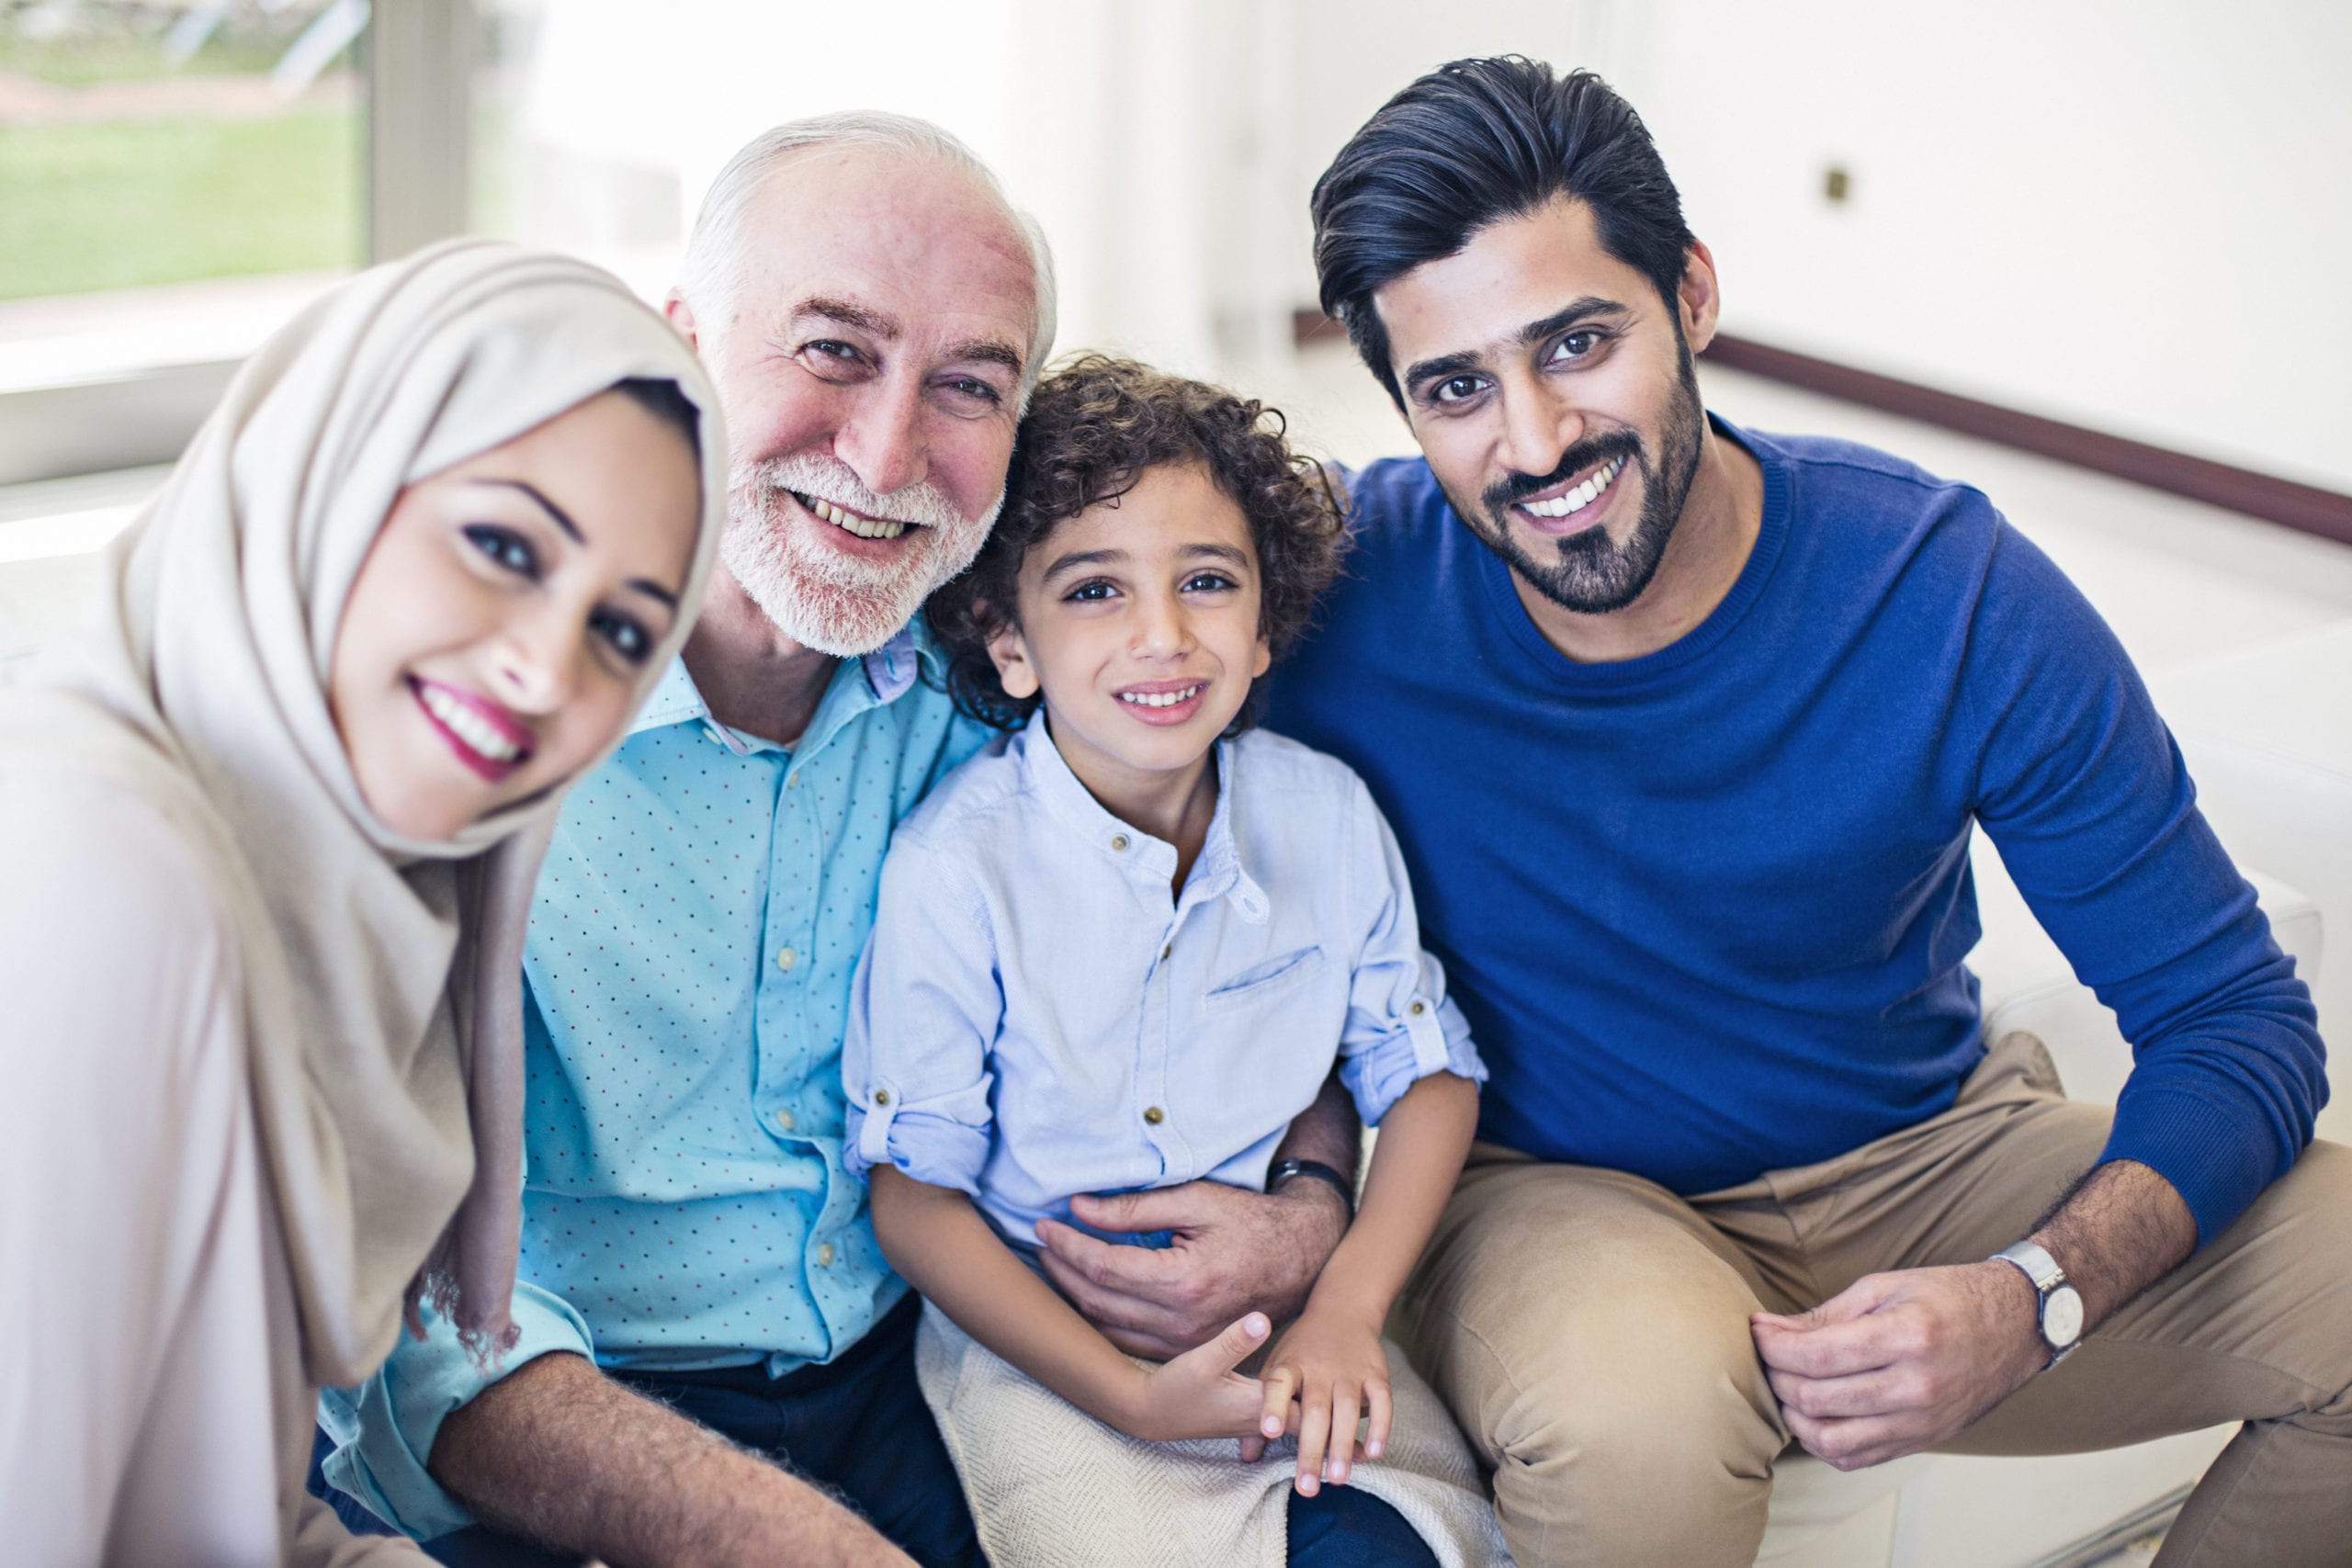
1345	1408
1229	1349
1280	1383
1314	1430
1375	1399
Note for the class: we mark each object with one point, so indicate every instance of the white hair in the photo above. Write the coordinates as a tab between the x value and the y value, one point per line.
714	263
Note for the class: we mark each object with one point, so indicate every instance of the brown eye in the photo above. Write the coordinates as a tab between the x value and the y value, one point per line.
506	547
625	634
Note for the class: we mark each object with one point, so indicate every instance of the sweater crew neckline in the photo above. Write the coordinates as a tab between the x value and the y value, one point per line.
1772	536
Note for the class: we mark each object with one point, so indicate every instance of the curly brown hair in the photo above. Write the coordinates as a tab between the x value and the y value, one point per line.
1094	426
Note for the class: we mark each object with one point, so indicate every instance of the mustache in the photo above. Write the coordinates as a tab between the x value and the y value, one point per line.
920	503
1513	488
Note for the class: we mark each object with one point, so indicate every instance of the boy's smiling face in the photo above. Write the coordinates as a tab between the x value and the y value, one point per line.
1138	619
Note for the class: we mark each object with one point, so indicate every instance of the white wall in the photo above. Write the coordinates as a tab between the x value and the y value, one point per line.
2132	214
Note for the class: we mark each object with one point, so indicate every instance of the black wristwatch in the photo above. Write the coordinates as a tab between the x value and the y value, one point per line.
1283	1169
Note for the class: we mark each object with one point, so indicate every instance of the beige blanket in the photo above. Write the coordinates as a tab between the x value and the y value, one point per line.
1052	1488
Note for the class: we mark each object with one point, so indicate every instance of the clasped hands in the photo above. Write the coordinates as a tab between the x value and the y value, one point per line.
1897	1362
1207	1303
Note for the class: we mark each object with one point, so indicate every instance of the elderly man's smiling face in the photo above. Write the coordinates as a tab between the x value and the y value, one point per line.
869	363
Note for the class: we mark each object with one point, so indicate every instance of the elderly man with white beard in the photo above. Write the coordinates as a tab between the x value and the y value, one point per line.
716	1362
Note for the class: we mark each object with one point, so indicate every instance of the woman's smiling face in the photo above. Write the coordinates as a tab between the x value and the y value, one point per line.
505	617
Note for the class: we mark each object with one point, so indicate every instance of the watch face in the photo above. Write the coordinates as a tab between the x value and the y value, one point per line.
2062	1318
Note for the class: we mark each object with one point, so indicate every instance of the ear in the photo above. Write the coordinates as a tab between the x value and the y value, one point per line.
1698	297
1014	673
1265	660
682	317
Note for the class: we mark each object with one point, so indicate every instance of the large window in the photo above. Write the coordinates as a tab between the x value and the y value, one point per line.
144	144
176	177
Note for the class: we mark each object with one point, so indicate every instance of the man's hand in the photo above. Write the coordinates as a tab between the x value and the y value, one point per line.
1233	1251
1898	1362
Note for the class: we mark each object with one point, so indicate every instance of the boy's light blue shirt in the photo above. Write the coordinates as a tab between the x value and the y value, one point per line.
691	949
1039	1015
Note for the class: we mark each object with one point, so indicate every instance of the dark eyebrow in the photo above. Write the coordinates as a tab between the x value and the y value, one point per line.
1083	558
1220	552
848	314
1536	331
549	507
653	591
1444	364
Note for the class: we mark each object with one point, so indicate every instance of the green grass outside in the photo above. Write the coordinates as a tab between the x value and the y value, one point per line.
77	61
90	207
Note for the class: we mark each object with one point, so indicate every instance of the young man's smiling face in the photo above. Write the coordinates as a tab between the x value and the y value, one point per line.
1552	390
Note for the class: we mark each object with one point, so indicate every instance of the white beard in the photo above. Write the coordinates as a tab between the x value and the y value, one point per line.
826	599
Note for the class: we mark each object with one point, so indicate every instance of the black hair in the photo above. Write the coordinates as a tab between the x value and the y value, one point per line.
1475	142
662	398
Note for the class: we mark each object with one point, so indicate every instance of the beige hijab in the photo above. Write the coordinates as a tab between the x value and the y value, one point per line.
381	975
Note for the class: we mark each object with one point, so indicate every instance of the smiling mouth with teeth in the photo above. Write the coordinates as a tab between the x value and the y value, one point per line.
1160	699
849	521
1579	498
488	747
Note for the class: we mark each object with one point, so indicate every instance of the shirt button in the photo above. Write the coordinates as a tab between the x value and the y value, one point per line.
710	733
785	957
824	1255
784	1120
1153	1114
1167	953
792	780
1119	842
881	1097
1417	1009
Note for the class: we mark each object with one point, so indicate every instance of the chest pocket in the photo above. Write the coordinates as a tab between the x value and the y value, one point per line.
1269	982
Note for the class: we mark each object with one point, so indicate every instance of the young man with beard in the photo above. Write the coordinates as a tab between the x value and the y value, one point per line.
1737	703
698	1271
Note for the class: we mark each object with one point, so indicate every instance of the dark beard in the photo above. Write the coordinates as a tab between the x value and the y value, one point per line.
1589	574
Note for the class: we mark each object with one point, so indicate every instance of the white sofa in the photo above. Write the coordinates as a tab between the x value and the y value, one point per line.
2268	737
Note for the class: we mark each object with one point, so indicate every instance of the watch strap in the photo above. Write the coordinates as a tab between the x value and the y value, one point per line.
2044	1273
2034	1260
1283	1169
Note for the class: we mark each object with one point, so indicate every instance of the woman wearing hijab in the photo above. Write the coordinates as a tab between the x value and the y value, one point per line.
267	846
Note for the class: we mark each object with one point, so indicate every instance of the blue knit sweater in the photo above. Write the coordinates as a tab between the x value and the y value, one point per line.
1707	910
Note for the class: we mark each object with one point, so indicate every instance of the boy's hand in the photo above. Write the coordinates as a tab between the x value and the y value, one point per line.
1199	1394
1332	1362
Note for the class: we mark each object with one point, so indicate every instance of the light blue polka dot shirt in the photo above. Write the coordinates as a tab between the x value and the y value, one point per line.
689	960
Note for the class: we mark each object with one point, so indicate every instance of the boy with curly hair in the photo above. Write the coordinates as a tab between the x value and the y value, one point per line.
1122	949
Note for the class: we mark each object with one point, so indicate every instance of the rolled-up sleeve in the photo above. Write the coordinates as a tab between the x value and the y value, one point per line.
1401	1026
924	1008
384	1428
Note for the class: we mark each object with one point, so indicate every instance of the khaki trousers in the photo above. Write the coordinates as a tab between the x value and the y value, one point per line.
1589	1331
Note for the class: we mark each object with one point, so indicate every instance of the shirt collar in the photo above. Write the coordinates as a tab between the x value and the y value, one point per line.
892	668
889	673
1217	874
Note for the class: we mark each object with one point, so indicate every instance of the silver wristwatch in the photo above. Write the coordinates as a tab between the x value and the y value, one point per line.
2058	1309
